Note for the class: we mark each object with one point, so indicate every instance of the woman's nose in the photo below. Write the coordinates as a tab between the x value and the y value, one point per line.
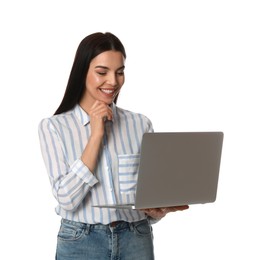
112	80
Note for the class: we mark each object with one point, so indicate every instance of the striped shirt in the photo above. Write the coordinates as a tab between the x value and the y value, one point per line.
63	138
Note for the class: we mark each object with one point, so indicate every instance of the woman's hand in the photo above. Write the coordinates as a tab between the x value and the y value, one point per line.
158	213
99	113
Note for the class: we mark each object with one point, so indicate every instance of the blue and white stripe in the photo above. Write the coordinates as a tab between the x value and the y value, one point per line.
63	138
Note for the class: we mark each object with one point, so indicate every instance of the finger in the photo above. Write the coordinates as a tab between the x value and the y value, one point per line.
177	208
158	213
98	104
107	115
102	112
184	207
95	104
110	113
147	210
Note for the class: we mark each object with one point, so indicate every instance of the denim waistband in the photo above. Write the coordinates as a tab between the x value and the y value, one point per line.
114	225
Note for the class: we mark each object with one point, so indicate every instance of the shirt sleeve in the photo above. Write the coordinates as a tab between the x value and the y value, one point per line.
70	183
149	126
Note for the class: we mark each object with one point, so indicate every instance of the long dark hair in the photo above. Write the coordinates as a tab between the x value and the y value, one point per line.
91	46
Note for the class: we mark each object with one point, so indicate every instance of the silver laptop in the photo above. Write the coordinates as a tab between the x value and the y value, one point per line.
177	169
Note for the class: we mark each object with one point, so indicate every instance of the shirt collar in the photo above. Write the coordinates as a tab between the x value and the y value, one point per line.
84	118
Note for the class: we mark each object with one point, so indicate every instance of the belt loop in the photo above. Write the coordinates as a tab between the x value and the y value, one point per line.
87	229
131	226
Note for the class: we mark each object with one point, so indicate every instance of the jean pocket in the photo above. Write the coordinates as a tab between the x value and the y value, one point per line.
70	232
143	229
128	165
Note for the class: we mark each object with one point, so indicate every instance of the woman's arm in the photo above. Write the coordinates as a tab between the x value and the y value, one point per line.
70	183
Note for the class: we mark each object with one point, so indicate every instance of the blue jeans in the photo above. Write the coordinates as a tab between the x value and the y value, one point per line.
123	241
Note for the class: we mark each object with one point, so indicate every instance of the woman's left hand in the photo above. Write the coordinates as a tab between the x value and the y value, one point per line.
158	213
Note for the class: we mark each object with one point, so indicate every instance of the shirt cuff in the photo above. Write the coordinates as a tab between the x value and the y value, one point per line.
83	172
153	220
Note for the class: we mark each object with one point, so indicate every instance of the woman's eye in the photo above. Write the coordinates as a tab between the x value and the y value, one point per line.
120	73
102	73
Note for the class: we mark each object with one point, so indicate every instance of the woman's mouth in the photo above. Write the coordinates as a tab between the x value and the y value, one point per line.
107	91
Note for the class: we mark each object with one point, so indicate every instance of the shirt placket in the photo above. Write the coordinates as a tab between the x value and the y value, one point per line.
110	181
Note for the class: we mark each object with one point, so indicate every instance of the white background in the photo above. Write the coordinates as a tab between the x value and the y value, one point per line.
192	65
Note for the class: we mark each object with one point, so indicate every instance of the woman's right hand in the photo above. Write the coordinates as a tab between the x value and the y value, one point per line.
99	113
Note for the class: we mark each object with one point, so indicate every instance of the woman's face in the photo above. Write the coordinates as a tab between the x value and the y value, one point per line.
105	78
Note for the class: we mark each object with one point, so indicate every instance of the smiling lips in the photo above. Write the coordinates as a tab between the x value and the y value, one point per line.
108	91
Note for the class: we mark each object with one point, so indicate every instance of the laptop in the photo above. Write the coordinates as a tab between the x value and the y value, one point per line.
177	168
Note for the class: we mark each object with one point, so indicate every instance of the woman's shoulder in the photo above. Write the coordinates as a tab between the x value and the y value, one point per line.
54	119
134	119
122	112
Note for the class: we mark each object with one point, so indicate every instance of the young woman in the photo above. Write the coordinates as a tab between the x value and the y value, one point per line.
91	150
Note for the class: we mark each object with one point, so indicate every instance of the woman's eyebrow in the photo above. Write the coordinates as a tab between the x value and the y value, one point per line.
104	67
101	67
